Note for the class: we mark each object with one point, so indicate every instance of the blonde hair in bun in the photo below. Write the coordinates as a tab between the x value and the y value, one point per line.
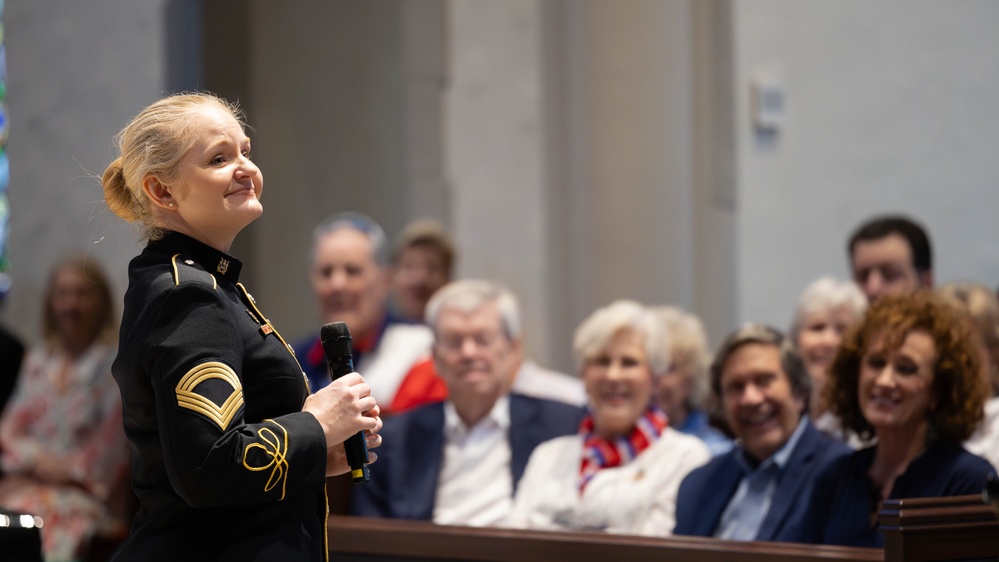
120	199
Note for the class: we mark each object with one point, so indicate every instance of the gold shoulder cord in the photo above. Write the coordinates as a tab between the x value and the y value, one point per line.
266	322
270	329
253	304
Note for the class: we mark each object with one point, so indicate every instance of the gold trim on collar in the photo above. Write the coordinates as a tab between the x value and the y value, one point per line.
188	398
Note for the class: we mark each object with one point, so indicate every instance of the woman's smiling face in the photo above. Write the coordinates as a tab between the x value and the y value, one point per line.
619	383
218	187
895	389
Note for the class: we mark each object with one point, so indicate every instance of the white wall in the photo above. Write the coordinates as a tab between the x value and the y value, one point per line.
891	105
77	71
494	149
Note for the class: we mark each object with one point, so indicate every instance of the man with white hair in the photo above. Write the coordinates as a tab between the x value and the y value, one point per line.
459	461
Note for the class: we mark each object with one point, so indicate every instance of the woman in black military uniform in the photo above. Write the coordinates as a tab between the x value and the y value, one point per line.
230	451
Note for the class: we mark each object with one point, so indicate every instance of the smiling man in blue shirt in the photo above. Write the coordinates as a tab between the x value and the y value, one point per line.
751	492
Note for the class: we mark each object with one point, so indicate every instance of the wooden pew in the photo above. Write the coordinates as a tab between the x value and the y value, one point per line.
955	528
357	539
18	541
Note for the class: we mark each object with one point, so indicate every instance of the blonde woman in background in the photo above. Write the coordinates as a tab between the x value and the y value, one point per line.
64	453
683	391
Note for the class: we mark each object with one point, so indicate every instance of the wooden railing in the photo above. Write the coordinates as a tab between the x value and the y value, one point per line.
924	529
915	530
360	539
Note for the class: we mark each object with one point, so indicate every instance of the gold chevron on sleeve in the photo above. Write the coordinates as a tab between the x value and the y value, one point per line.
188	397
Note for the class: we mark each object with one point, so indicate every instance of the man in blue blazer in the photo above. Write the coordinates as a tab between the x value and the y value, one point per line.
758	490
458	462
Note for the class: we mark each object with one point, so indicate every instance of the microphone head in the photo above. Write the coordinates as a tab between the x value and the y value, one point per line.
335	338
334	331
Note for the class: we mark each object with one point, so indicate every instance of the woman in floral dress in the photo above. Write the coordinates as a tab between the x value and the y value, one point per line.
62	448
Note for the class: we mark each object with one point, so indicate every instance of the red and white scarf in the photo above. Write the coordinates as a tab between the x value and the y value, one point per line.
599	452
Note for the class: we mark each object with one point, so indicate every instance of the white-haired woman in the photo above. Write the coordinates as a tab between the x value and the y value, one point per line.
621	472
826	309
682	391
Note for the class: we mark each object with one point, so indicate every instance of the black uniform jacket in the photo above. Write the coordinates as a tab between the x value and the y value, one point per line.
225	464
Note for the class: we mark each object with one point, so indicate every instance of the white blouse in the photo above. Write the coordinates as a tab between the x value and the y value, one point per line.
638	498
985	441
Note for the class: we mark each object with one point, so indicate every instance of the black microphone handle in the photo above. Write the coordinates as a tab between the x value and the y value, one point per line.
355	446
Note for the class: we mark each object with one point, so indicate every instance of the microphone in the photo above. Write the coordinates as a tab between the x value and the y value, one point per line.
335	338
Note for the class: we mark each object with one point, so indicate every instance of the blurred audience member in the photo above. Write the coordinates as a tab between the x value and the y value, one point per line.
983	306
351	281
540	382
754	491
422	262
459	462
683	391
910	374
64	452
826	309
621	471
11	355
890	255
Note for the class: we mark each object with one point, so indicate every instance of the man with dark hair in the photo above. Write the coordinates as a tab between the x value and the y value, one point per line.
754	491
891	255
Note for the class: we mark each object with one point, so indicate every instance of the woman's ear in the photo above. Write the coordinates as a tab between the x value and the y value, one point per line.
157	192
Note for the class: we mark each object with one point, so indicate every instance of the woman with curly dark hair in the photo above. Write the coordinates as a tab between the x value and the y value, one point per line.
909	376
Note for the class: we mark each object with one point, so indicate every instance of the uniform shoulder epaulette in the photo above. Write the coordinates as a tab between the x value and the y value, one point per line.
186	270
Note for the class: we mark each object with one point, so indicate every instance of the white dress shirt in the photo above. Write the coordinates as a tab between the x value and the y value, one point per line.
475	485
636	498
745	512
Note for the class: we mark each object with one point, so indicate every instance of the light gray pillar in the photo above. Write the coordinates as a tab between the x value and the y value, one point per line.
629	218
494	153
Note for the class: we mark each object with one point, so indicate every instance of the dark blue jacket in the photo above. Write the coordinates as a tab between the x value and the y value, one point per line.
705	492
845	499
